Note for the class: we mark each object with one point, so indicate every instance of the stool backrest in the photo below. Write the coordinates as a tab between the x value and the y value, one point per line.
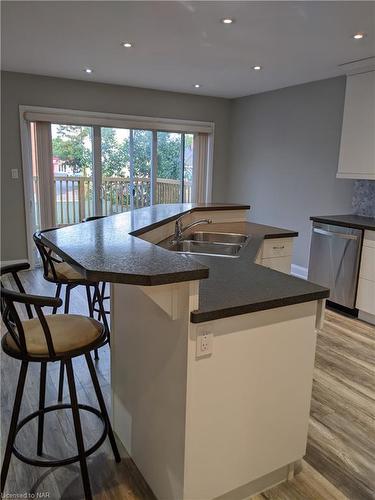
10	315
47	256
13	270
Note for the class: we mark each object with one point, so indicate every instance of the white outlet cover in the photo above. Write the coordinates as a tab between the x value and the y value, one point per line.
204	343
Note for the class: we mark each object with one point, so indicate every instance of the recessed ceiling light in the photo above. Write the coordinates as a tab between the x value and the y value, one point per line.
88	70
197	86
227	20
359	36
127	45
257	67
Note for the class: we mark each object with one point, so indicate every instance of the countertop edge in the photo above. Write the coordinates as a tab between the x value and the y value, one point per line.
201	317
337	222
286	234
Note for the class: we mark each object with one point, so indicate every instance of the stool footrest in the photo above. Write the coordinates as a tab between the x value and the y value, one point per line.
63	461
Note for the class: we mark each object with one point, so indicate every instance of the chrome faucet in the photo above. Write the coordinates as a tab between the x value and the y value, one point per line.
179	229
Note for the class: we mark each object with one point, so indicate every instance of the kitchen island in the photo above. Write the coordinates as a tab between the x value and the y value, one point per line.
212	357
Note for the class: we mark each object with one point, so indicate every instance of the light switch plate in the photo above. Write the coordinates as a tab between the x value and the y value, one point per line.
14	173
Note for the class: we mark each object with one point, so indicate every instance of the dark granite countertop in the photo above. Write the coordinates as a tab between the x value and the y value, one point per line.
355	221
109	250
239	286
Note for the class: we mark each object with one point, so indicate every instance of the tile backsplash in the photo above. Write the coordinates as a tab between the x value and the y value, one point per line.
364	198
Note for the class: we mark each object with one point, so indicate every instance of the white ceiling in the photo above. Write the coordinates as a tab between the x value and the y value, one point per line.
178	44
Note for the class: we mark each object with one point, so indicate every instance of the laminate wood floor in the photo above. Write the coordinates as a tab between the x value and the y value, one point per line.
340	459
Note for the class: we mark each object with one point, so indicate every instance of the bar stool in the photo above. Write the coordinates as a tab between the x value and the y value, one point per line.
61	273
104	284
45	339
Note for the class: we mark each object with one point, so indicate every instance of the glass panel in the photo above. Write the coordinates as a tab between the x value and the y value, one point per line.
122	151
170	171
73	166
142	158
115	170
188	167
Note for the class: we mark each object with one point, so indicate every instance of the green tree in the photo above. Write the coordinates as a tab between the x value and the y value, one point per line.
142	146
169	155
115	154
71	147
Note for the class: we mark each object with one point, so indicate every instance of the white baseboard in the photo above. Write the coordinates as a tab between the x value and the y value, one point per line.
299	271
364	316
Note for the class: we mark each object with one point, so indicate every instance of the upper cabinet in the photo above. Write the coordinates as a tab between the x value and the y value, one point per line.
357	148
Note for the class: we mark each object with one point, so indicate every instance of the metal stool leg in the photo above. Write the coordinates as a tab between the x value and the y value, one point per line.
103	295
91	310
61	382
13	424
102	406
67	299
89	301
101	309
78	430
61	375
57	295
42	399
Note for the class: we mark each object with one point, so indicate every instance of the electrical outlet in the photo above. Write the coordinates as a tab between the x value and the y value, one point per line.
204	343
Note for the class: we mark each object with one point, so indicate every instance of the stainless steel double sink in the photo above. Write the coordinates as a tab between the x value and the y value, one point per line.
208	243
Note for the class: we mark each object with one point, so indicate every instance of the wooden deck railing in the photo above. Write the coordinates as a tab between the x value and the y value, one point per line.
74	195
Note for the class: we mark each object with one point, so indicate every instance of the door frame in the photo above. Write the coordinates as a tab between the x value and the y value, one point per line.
28	194
78	117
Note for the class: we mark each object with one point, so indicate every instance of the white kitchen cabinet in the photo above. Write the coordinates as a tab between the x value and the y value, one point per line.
366	283
357	147
276	253
366	296
282	264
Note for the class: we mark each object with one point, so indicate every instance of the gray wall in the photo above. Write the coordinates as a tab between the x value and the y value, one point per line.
284	155
34	90
277	151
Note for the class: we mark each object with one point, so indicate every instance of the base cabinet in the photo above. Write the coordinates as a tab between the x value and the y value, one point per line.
366	296
276	253
366	283
224	426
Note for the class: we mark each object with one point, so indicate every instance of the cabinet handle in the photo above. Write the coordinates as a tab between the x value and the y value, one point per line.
279	248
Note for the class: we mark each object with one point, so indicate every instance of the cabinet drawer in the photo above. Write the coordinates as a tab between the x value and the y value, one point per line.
367	269
282	264
366	296
277	247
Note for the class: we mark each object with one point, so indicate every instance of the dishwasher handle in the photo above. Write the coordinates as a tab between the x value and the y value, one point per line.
334	234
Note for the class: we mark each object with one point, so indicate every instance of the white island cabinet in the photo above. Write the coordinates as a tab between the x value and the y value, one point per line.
225	425
217	409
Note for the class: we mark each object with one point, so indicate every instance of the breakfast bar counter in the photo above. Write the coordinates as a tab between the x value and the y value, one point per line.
116	249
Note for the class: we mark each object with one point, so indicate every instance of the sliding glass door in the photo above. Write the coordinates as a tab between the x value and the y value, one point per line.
95	170
72	158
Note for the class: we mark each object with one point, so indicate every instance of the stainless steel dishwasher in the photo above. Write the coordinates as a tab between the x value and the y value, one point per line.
334	261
